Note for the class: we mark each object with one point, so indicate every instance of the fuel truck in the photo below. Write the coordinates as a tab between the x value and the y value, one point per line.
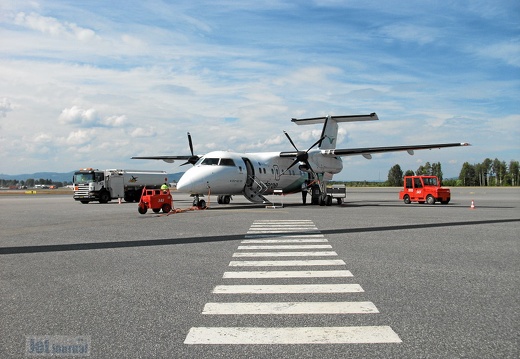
104	185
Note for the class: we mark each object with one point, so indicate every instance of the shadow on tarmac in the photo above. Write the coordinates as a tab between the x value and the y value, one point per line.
170	241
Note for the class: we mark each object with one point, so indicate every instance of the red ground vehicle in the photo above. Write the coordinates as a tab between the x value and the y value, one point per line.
424	189
156	200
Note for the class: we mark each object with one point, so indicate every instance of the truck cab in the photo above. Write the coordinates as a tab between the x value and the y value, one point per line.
424	189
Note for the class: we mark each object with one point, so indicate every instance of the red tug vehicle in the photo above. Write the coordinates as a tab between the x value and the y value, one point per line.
424	189
156	200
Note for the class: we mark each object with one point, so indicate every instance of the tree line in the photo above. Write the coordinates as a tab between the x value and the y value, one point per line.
488	173
29	183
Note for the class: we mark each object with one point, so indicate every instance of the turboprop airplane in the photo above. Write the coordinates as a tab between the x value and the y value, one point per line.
255	175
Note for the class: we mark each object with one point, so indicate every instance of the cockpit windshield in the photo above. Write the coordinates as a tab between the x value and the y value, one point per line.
212	161
80	178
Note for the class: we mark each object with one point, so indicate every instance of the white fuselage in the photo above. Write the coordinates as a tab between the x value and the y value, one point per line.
230	173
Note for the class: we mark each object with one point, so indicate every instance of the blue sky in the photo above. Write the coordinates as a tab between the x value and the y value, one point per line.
93	83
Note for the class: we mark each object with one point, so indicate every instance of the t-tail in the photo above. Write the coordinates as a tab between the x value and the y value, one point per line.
330	127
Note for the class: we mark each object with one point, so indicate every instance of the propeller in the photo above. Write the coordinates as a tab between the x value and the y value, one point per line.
193	159
302	156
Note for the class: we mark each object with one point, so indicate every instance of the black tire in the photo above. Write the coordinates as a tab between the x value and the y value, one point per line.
406	199
227	199
219	199
156	210
340	201
328	200
104	197
84	202
201	204
430	199
142	209
445	202
166	208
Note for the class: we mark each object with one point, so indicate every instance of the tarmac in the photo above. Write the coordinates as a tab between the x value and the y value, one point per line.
371	278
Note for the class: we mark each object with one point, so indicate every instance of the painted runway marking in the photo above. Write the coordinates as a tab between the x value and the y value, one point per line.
294	246
287	238
294	263
304	335
287	288
290	308
285	254
288	274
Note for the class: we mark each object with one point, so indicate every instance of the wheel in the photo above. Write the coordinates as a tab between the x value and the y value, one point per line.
340	201
84	202
142	209
328	200
406	199
227	199
129	196
219	199
445	202
201	204
156	210
166	208
322	201
430	199
104	197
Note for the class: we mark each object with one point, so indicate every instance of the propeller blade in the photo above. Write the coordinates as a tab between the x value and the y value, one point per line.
290	140
191	143
315	143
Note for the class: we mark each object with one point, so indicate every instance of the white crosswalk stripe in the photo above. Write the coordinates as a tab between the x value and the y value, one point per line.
290	308
286	238
288	274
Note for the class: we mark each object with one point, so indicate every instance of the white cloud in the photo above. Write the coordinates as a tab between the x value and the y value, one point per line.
80	137
90	118
5	107
52	26
144	132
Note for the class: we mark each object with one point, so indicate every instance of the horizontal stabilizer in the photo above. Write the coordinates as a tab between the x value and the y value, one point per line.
352	118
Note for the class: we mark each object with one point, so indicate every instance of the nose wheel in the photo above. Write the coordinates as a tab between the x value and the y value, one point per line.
199	203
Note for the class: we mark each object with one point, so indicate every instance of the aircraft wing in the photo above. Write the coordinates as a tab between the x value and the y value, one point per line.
368	151
169	159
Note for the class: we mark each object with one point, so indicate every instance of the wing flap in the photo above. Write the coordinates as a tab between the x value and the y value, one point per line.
366	151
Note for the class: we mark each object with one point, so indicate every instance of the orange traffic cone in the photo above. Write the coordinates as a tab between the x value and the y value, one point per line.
472	205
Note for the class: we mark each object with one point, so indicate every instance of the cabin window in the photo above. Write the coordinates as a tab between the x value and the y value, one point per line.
227	162
409	183
209	161
417	183
430	181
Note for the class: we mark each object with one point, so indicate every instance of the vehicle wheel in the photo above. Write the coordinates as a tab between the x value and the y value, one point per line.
129	196
156	210
219	199
84	202
227	199
201	204
406	199
322	201
445	202
430	199
166	208
328	200
104	197
142	209
340	201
